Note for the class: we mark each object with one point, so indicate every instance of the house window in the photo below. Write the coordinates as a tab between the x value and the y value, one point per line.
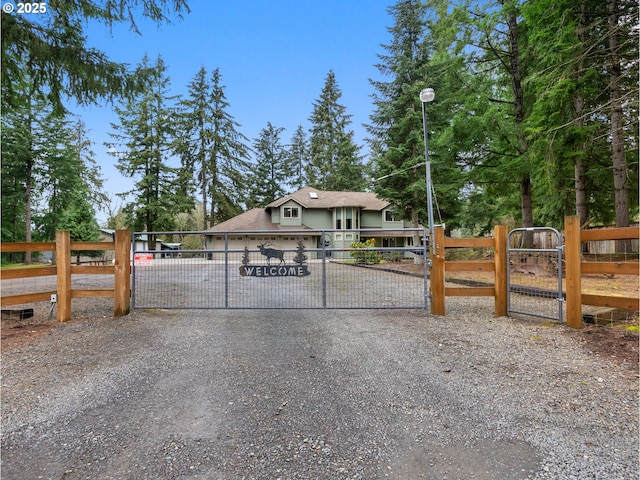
291	212
388	216
388	242
347	218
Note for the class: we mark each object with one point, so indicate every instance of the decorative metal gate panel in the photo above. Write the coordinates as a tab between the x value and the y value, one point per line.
284	270
535	273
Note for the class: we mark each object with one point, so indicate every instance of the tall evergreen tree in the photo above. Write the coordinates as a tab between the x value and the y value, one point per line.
500	105
210	145
47	162
622	73
573	115
396	127
297	154
269	174
70	178
142	143
334	162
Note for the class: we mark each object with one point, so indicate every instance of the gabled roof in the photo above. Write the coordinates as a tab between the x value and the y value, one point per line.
254	219
313	198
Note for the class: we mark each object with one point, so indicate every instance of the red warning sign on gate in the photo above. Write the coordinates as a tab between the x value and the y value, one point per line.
142	259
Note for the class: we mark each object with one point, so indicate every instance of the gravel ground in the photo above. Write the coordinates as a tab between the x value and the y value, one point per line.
316	394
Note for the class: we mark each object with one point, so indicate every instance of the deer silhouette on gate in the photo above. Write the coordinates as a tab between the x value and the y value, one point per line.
271	253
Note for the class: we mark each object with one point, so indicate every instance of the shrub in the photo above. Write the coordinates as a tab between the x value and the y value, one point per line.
366	256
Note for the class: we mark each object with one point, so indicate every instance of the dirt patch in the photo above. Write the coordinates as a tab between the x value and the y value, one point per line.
615	342
18	335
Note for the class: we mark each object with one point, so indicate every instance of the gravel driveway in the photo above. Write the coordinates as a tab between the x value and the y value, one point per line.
316	394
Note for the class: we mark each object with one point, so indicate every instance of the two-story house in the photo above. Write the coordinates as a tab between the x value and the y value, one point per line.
345	218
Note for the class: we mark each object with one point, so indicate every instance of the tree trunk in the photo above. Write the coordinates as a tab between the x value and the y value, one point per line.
518	99
27	208
617	134
580	179
527	212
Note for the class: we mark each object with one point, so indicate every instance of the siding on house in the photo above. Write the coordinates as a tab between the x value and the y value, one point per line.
311	209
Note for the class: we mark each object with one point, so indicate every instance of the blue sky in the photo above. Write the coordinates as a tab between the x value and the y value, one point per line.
273	56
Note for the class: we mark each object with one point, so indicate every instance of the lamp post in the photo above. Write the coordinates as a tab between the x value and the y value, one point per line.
427	95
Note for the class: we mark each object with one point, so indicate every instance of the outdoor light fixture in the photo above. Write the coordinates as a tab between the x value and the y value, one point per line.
427	95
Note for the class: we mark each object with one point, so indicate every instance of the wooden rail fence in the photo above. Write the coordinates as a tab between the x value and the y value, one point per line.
575	267
440	265
121	293
64	269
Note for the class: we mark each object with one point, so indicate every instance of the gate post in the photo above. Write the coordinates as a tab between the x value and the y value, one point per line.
501	266
573	271
122	278
437	272
63	273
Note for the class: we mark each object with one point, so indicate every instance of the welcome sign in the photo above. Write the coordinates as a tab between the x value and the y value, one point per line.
272	271
298	269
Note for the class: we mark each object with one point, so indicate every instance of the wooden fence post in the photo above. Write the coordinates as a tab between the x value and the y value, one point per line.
437	273
122	280
573	271
501	265
63	269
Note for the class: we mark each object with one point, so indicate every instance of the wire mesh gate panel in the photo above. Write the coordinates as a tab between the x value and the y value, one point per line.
290	270
535	273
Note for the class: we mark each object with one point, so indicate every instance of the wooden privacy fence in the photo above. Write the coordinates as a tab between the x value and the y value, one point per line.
64	269
575	267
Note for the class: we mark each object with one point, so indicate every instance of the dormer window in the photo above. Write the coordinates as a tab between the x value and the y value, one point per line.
291	212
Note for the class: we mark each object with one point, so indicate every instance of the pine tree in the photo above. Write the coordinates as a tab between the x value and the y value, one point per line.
334	162
78	218
396	127
52	48
269	174
297	158
45	161
70	178
142	143
210	145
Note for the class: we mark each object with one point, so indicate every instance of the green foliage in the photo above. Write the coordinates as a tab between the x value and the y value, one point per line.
142	143
365	255
51	50
334	163
78	218
396	126
297	154
209	144
271	171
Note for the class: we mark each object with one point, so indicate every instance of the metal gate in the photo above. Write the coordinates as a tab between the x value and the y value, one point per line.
535	274
280	270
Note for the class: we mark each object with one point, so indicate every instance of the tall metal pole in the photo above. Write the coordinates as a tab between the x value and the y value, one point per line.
427	95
